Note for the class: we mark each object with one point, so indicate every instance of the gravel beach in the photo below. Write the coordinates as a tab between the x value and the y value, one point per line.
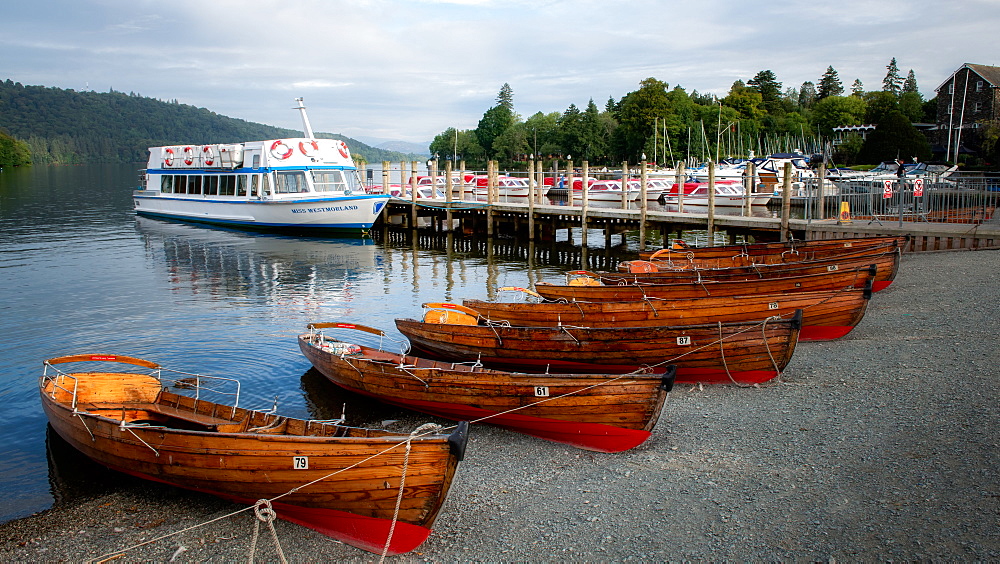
880	446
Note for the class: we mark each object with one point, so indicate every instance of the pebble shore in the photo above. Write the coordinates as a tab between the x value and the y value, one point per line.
881	446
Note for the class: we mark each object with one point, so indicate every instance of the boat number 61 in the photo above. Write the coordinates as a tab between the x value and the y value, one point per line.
300	462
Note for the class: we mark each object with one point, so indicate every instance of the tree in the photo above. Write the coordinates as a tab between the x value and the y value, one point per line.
767	84
571	131
894	138
829	84
13	152
637	115
807	94
744	100
892	82
837	111
496	120
505	97
880	104
857	89
910	85
457	144
544	131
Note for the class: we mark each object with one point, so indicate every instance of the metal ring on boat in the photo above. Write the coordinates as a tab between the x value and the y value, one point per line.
168	160
188	155
342	147
208	156
281	150
309	148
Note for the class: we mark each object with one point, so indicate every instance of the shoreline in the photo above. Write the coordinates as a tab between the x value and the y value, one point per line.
879	446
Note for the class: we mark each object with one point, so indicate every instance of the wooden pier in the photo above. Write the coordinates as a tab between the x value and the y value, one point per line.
540	223
528	220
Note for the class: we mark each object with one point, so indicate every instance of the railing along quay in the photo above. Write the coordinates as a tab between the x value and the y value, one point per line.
956	212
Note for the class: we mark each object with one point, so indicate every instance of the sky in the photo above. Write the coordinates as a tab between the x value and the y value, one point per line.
409	69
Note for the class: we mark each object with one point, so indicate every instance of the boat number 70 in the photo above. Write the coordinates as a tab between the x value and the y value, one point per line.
300	462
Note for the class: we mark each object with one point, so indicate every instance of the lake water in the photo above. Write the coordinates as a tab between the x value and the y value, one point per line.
82	274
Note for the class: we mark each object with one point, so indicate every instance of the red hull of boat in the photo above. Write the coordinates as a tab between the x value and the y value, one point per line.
367	533
588	436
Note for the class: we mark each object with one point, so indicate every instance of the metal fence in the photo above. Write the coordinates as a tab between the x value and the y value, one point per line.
962	199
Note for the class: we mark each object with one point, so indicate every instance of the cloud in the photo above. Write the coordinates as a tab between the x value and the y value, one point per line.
408	70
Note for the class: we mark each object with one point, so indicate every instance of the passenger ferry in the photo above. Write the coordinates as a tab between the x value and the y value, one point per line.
300	184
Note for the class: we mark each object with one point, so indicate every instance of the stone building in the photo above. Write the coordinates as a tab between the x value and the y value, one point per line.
970	96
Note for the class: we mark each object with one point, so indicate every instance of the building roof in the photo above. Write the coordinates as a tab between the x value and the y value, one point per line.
989	73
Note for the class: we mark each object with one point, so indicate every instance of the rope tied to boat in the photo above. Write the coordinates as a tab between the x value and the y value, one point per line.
419	431
266	514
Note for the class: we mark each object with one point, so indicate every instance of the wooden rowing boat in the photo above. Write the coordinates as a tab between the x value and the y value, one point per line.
348	478
745	353
885	259
600	412
588	289
681	250
826	315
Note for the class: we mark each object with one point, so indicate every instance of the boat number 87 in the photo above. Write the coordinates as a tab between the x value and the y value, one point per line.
300	462
684	340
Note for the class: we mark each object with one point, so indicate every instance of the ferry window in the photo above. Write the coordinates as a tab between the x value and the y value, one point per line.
166	184
291	182
180	184
255	181
194	184
212	185
329	180
241	185
227	185
256	161
265	187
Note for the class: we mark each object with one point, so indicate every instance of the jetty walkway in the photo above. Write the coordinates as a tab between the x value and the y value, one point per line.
540	222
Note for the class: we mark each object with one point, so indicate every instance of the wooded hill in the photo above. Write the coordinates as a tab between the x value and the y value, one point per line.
69	127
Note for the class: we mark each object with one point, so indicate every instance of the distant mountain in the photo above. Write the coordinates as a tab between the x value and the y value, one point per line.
422	149
67	127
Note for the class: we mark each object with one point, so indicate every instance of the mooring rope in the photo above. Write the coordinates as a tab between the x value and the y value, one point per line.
264	513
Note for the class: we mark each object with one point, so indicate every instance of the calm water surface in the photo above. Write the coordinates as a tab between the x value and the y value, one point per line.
80	273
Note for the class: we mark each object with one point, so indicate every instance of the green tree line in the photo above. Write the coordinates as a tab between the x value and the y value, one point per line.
52	125
657	122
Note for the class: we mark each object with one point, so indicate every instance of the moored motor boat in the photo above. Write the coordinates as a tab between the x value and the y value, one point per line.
826	315
289	184
600	412
342	481
741	353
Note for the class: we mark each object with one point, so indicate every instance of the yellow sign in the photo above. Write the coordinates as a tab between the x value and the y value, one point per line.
845	213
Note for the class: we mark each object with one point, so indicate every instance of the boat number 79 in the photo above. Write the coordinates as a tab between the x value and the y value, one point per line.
541	391
684	340
300	462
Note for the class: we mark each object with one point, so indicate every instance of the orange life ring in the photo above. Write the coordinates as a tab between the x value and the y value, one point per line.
309	148
342	147
207	155
188	156
284	152
168	160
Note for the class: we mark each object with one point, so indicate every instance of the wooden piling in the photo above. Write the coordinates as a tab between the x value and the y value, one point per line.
643	176
680	186
531	201
786	200
711	204
584	191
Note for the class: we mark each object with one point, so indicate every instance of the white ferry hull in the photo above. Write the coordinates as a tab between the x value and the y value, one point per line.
348	213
